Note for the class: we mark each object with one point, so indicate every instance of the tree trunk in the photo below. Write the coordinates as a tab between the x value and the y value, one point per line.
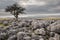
16	17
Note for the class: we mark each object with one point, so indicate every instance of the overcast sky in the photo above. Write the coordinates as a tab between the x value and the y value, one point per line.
34	6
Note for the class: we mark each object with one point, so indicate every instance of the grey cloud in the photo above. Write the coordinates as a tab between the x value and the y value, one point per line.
36	8
45	9
4	3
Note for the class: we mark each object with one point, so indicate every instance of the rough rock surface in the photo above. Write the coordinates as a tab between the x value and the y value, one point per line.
30	30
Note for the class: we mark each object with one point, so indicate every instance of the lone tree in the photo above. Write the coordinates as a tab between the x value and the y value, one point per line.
15	10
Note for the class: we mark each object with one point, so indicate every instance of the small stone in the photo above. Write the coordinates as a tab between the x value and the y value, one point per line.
40	31
27	38
14	24
5	23
13	37
20	35
52	34
3	36
51	38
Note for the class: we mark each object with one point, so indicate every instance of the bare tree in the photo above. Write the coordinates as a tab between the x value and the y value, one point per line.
15	10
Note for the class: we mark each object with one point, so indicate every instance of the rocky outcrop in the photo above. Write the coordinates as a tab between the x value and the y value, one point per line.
30	30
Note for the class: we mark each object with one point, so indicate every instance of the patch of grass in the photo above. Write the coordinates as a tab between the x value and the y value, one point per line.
1	25
50	18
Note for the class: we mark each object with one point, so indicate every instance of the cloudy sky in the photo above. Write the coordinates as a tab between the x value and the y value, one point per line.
34	6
